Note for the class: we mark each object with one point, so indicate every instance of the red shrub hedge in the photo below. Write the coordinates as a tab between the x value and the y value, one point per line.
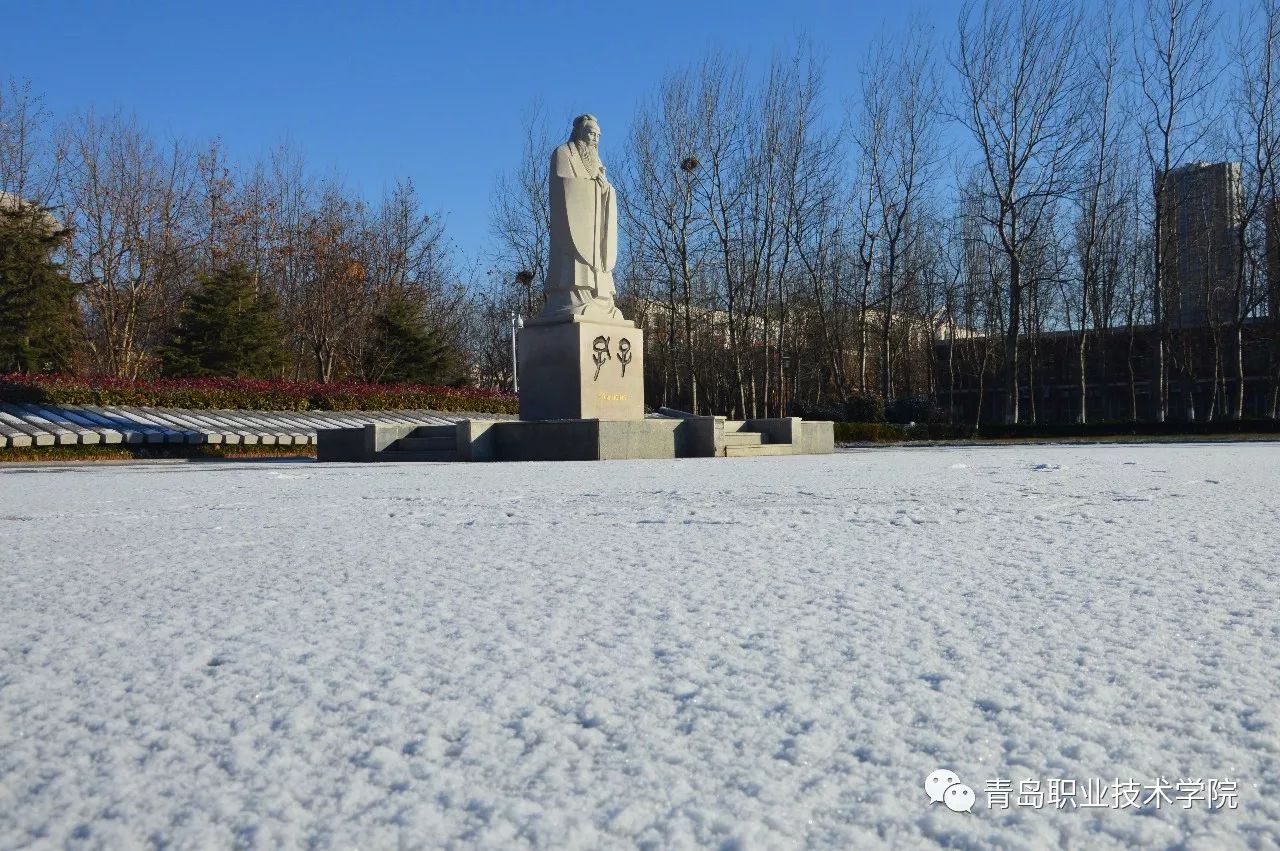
251	394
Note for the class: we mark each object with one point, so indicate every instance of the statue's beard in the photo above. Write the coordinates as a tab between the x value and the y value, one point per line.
590	155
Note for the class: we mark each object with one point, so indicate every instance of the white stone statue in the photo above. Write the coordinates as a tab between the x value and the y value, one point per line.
584	230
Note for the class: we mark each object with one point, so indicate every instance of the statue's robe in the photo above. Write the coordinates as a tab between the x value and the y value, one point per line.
584	238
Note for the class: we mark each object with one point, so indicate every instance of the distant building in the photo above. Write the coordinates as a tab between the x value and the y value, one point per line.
1200	213
10	203
968	378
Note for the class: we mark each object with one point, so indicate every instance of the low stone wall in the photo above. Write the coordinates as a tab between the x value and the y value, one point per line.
587	439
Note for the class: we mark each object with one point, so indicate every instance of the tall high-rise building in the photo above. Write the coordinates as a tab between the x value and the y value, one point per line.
1200	214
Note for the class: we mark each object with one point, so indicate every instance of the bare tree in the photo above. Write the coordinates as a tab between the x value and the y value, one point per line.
818	225
658	187
405	255
1172	49
1256	138
129	205
520	216
1098	198
796	166
722	194
30	158
901	103
1020	101
329	300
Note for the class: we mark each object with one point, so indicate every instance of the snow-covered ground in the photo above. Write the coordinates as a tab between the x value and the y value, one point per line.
738	653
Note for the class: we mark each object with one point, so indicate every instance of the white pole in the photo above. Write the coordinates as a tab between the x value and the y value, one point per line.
517	322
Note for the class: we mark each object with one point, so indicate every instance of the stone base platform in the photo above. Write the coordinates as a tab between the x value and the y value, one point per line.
578	440
581	369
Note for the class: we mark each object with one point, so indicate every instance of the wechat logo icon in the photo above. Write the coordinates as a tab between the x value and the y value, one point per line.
944	786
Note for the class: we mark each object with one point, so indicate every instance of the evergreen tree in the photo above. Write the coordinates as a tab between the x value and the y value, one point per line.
404	349
37	299
227	327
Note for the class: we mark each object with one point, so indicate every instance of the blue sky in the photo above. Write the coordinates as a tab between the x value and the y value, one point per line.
434	91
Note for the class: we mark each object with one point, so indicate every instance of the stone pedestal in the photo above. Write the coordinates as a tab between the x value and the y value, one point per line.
581	369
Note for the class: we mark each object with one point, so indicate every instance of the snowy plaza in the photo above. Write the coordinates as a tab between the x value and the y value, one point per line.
753	653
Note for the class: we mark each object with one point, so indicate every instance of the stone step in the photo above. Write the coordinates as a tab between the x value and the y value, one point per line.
425	444
748	451
423	455
744	438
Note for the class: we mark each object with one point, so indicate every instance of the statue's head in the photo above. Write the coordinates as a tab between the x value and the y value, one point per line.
586	129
